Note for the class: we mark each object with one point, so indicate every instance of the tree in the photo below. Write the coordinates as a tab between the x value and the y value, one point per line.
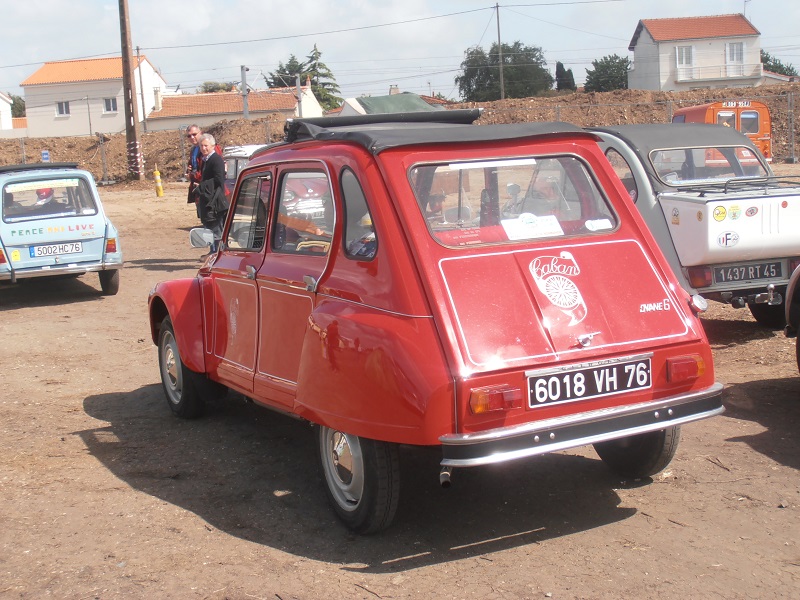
524	73
564	78
286	74
323	83
776	66
17	105
609	73
216	86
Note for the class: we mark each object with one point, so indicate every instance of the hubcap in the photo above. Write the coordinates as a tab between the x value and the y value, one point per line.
342	457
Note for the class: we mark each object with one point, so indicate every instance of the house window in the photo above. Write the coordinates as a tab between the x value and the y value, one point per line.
734	59
685	61
110	105
62	109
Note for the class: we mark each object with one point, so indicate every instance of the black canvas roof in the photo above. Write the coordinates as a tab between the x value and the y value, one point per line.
380	132
643	139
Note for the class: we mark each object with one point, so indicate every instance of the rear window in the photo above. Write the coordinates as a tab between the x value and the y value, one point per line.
682	166
506	200
47	199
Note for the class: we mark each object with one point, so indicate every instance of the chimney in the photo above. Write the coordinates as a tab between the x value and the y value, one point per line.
158	99
393	89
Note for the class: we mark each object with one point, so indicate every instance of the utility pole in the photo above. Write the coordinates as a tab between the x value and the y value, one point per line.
135	161
245	92
141	90
299	98
500	54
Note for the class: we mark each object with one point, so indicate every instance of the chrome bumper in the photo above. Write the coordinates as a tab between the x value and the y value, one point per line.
530	439
66	269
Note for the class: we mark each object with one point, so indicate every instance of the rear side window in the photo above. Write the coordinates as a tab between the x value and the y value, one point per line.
360	241
305	213
249	221
47	199
467	203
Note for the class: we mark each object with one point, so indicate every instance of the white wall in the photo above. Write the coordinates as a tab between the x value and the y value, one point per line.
5	112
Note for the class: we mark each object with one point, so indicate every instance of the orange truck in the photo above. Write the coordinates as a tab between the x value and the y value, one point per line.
750	117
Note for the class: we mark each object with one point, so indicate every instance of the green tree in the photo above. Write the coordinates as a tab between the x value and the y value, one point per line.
323	83
609	73
776	66
286	74
17	105
564	78
524	73
216	86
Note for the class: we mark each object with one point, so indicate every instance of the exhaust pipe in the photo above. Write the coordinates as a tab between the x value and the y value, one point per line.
444	476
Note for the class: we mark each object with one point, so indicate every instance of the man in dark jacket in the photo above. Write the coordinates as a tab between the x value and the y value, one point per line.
211	192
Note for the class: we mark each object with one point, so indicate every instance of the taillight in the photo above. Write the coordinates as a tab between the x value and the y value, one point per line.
699	276
2	257
793	264
684	368
111	245
494	398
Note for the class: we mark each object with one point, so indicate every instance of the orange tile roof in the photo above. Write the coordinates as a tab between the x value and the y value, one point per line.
694	28
221	103
73	71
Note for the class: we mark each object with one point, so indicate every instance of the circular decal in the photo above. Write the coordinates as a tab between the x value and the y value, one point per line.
562	291
784	204
728	239
752	211
720	213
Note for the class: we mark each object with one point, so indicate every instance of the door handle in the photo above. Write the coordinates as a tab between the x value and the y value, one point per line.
311	283
251	272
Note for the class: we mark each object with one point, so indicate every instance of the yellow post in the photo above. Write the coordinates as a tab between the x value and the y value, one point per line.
159	188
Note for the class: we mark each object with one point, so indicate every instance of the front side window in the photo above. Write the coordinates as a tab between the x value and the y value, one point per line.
46	199
62	109
305	214
249	222
110	105
494	201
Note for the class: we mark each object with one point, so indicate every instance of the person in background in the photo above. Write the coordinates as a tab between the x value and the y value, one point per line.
211	200
194	169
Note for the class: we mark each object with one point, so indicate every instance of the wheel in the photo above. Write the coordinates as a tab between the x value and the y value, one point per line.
362	478
640	455
109	282
772	316
187	391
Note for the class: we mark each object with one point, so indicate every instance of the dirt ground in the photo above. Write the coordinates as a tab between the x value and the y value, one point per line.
105	494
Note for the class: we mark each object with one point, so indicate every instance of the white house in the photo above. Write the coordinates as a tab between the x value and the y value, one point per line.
182	110
84	97
695	52
5	111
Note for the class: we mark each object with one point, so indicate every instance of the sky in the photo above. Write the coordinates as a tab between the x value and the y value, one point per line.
416	45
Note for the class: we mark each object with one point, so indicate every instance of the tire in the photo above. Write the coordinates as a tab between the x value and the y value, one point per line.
187	391
640	455
109	282
362	479
772	316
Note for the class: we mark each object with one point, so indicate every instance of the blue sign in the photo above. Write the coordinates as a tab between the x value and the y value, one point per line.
45	155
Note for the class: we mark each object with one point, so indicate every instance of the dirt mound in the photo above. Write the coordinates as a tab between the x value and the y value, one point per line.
167	150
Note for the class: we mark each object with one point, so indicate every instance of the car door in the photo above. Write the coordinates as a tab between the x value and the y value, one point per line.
233	283
296	258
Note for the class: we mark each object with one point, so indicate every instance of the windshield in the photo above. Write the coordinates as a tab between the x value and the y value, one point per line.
495	201
47	198
678	166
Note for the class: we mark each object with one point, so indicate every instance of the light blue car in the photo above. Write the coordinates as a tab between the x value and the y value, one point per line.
53	223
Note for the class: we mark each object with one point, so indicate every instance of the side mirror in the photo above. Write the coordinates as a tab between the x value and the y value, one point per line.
199	237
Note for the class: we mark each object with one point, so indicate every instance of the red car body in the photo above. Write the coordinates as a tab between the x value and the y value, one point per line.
488	330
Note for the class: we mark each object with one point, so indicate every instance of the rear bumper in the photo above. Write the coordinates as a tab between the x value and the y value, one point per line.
64	269
509	443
